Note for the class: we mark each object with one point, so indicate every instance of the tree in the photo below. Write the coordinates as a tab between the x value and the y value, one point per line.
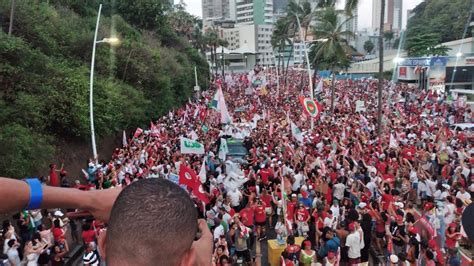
305	15
388	36
280	39
425	44
369	46
332	53
448	19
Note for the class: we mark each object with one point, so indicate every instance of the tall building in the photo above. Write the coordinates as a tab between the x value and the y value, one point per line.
217	10
279	6
392	15
258	12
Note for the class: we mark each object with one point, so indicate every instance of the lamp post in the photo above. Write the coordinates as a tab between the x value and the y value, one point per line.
112	41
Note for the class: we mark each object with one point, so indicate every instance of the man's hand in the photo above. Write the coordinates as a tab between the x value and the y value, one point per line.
202	248
99	203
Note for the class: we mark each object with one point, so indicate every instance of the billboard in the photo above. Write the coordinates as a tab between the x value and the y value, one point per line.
437	74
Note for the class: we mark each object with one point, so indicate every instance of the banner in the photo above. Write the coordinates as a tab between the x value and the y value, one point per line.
296	132
189	146
360	106
437	74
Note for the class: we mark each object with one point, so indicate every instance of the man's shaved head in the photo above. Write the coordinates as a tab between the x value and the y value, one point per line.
153	222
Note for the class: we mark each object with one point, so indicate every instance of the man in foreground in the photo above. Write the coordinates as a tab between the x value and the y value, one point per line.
152	221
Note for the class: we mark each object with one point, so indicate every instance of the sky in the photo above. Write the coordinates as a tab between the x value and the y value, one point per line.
365	8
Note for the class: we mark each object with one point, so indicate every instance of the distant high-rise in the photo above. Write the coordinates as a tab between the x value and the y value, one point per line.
392	15
279	6
217	10
258	12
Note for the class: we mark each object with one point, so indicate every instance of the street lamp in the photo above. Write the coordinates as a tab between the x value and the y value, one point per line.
111	41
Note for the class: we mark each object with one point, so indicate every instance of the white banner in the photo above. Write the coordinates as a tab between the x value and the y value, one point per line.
189	146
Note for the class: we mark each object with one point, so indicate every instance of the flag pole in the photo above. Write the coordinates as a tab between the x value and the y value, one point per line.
307	65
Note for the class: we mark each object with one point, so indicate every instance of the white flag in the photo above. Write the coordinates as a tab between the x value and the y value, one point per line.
223	149
193	135
296	132
393	141
189	146
218	103
319	88
202	172
124	140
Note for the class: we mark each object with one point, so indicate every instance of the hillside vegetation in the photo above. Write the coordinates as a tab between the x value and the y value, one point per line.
45	67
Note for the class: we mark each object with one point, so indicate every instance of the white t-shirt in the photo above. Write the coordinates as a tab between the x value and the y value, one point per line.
297	184
234	197
449	208
218	232
335	211
13	256
355	244
338	190
329	222
463	196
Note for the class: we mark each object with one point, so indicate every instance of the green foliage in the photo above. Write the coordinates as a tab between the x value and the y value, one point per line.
145	14
425	44
369	46
446	19
24	151
332	53
45	68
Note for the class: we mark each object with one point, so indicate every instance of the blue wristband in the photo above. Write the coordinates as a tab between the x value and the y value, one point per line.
36	193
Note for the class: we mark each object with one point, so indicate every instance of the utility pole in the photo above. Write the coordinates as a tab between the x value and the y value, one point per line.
380	85
12	12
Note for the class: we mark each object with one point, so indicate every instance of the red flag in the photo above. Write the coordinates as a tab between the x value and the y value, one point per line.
202	113
310	106
200	193
138	132
187	176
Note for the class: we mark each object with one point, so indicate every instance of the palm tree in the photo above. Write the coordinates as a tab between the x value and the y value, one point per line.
305	15
213	41
379	89
332	53
280	38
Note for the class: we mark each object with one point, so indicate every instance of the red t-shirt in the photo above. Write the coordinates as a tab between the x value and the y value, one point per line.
246	216
265	174
260	216
267	199
387	199
290	210
53	178
88	236
381	167
302	214
57	233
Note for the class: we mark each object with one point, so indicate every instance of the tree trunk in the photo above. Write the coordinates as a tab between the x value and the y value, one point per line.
379	109
333	81
288	63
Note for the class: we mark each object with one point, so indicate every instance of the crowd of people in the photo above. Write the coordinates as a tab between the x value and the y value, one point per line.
337	194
